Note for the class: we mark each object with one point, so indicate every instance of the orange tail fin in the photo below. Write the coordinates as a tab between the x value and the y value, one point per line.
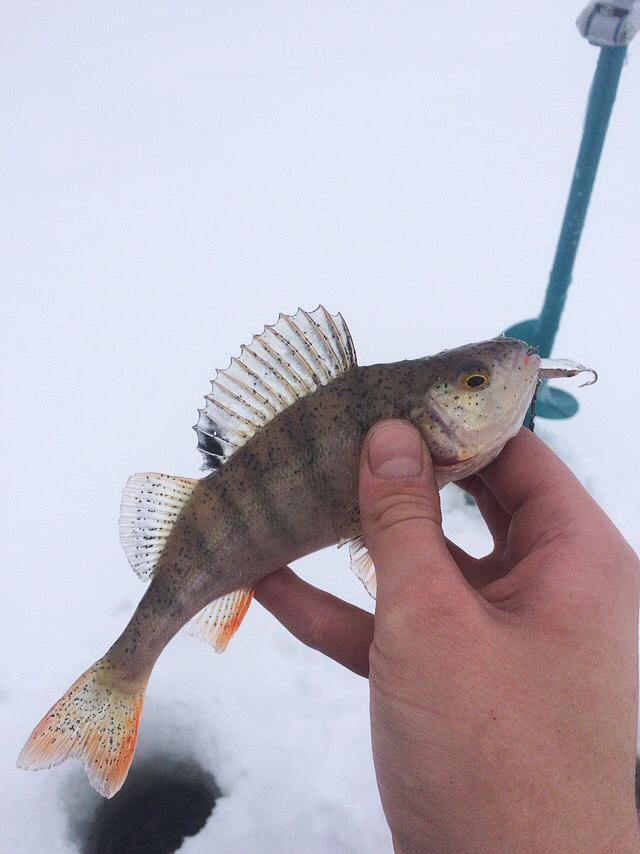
96	721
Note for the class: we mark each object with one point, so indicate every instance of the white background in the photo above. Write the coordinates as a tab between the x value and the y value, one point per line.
174	175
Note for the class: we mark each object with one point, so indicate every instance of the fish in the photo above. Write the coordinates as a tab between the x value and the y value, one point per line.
280	435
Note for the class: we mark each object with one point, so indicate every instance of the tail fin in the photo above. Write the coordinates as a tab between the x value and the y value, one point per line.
96	721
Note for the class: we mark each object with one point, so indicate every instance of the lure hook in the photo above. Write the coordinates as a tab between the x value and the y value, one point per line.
551	368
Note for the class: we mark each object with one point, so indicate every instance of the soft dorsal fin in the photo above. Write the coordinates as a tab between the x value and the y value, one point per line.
148	510
287	361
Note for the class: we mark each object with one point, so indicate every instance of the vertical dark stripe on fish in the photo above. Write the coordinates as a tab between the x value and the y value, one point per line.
230	505
320	485
277	520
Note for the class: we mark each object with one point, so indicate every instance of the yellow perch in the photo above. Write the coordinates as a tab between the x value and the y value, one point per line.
280	434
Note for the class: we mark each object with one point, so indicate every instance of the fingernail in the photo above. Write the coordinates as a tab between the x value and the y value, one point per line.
395	450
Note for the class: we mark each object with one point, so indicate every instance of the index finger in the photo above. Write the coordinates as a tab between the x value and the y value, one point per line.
528	469
554	513
338	629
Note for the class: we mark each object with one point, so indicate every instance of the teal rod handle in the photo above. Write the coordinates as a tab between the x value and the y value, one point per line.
600	104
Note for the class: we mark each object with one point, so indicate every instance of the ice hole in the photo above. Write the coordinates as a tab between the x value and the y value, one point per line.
162	802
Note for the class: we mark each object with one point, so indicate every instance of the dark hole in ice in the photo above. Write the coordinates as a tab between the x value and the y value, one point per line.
161	803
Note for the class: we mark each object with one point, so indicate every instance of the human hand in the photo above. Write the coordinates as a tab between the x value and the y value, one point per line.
503	690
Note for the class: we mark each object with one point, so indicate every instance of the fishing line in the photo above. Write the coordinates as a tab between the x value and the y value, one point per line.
532	409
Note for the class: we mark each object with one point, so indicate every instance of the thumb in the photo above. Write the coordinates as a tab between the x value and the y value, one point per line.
402	522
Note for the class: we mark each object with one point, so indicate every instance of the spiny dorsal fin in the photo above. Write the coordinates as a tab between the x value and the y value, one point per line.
220	620
362	565
148	510
289	360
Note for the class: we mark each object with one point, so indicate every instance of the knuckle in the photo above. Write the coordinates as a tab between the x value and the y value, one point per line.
431	599
446	624
591	582
394	507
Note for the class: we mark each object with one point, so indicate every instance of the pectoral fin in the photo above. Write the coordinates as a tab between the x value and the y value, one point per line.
362	565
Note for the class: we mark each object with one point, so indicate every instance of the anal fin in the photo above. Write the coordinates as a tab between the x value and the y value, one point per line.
220	620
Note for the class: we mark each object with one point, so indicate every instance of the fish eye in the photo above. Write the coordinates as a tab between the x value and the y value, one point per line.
474	380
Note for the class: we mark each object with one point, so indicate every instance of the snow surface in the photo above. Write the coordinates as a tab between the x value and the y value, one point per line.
177	174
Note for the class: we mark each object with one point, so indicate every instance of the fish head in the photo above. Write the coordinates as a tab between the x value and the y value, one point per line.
475	401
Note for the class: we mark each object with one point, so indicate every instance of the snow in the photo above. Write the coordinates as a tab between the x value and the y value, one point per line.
176	175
